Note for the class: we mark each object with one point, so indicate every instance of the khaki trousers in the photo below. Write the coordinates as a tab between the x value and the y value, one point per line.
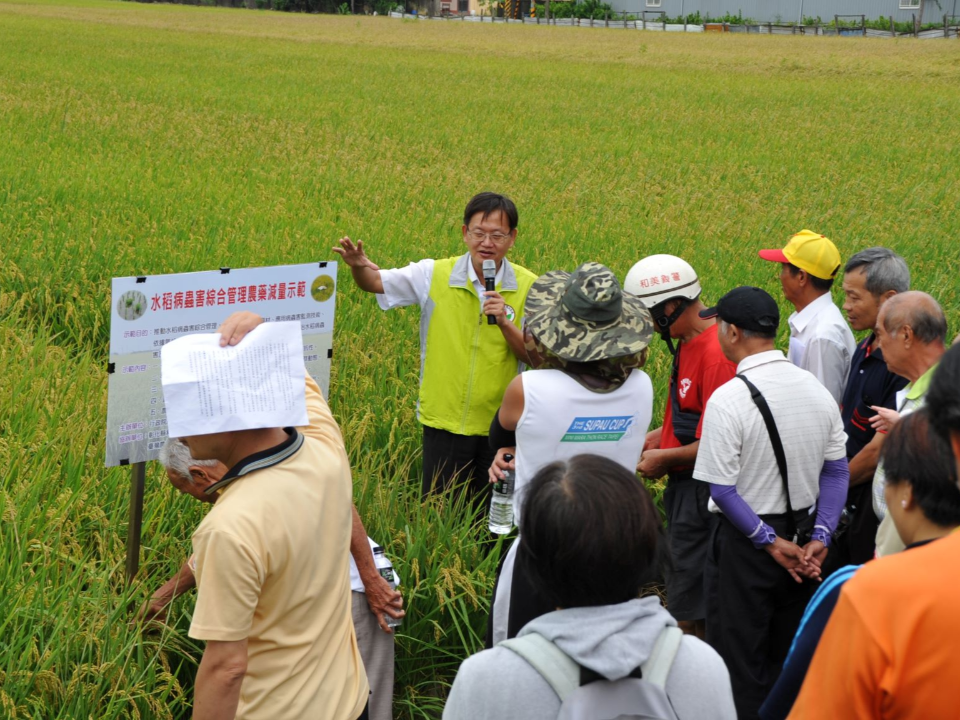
376	650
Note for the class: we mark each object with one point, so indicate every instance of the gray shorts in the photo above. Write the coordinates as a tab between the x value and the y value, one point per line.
689	526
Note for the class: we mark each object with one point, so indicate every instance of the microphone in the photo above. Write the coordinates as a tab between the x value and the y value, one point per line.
490	280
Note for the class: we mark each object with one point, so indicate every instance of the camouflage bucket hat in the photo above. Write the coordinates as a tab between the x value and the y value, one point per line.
584	316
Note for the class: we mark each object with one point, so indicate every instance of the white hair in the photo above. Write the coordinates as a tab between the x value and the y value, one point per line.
176	457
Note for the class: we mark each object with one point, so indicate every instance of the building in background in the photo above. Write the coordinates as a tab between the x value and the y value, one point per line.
794	11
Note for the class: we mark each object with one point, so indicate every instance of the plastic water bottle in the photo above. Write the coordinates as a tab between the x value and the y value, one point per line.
386	572
501	502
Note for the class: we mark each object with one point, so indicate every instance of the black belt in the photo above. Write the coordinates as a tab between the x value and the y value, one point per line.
798	515
803	522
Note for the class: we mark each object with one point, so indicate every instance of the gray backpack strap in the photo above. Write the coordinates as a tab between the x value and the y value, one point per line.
554	665
657	667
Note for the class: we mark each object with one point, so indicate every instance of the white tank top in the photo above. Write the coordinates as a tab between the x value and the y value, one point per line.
561	418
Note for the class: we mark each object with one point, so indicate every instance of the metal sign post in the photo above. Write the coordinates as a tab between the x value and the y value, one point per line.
135	524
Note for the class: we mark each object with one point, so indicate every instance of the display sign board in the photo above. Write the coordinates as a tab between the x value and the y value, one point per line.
148	312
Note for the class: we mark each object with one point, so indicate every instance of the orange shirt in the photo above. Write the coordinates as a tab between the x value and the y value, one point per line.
890	648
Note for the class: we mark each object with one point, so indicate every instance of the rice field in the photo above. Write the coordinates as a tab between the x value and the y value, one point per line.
147	139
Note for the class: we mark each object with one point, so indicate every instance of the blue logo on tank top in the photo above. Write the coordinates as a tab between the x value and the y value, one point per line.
598	429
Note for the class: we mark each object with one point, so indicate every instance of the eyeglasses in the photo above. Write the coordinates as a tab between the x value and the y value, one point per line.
497	238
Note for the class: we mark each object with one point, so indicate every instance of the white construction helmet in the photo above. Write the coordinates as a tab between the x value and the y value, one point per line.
659	278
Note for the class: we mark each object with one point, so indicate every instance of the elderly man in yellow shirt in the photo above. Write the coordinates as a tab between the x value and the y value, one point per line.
373	598
280	641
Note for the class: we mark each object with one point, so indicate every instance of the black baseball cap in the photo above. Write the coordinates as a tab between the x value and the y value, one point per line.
749	308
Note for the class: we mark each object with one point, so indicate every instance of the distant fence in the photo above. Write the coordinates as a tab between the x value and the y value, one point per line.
647	20
623	22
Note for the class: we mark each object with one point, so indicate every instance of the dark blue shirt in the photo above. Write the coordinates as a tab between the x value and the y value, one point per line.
869	383
784	693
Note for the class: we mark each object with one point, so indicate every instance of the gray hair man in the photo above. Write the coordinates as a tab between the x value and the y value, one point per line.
373	598
189	475
912	331
773	452
871	277
196	466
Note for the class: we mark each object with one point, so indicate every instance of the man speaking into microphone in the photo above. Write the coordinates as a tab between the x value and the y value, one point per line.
466	361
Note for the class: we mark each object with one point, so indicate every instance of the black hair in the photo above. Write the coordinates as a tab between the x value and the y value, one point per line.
590	532
943	395
488	202
818	283
914	453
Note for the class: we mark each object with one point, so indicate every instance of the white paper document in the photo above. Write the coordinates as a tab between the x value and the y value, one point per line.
258	383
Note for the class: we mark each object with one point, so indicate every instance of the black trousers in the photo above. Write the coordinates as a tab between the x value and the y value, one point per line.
689	529
858	543
753	610
450	458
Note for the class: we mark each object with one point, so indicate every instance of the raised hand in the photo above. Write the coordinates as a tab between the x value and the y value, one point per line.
236	327
353	254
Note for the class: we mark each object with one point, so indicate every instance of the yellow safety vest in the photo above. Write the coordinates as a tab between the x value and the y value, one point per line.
466	364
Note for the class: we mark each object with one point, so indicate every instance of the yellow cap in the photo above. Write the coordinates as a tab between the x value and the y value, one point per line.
809	251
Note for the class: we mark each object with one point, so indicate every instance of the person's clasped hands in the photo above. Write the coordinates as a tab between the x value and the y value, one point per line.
800	562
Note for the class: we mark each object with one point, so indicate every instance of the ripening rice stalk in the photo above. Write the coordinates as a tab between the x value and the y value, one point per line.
138	141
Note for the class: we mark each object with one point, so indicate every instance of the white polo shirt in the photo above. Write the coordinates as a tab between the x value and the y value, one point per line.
410	285
735	446
821	343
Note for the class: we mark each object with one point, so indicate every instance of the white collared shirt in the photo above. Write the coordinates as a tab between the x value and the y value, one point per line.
735	447
821	343
411	285
356	584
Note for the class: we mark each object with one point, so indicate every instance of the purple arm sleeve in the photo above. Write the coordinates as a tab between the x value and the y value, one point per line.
834	481
742	515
